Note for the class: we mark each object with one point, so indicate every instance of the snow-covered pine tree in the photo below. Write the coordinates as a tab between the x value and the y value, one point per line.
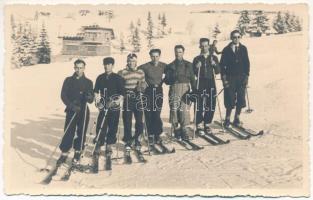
163	23
24	51
261	21
159	27
122	44
279	24
43	50
136	40
288	21
33	47
298	25
243	22
149	35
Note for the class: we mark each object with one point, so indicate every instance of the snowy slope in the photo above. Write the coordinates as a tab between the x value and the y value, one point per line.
272	161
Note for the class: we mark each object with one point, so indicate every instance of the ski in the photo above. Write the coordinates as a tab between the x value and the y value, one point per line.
139	156
52	173
236	133
206	138
183	144
128	158
165	150
194	146
209	134
155	150
249	131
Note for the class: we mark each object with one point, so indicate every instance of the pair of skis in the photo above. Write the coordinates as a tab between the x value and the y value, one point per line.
139	155
239	131
211	138
164	149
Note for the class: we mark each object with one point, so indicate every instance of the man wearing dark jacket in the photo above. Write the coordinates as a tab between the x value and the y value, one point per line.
235	69
109	92
76	92
208	65
179	75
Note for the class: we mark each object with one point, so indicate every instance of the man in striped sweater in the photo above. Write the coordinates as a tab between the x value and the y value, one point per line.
134	86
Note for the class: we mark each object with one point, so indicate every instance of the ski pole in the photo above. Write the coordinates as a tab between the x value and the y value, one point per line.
249	110
219	108
82	141
145	125
99	132
90	133
196	105
55	149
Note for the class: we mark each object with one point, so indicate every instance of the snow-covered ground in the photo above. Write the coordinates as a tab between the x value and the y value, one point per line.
278	94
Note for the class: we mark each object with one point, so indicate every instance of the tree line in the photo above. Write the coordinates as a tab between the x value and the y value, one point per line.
29	48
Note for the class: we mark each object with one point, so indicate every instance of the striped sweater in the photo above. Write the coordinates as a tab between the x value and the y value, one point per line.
132	78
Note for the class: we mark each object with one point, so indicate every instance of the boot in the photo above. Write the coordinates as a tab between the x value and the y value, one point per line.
184	134
237	121
207	129
62	159
226	123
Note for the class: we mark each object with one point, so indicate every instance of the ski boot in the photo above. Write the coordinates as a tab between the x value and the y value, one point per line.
226	123
237	122
184	135
128	159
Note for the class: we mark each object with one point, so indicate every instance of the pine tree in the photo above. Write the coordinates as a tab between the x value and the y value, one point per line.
164	24
131	27
243	22
279	24
159	27
25	54
13	27
122	44
298	26
261	21
216	31
288	21
149	35
136	40
43	51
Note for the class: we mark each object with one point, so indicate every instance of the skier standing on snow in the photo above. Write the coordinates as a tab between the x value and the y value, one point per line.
179	75
109	92
235	69
208	64
134	85
76	92
154	72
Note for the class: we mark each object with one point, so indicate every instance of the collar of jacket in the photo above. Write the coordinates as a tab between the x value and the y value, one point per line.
230	45
131	70
76	76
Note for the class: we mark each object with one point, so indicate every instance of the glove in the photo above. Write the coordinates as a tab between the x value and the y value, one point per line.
74	108
198	65
114	104
245	80
225	82
89	97
141	87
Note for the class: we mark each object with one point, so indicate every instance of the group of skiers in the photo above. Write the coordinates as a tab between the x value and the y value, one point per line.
138	91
